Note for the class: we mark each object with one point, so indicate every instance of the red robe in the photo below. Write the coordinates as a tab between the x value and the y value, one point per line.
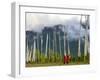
65	59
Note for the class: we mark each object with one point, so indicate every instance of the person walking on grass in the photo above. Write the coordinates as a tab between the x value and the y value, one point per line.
67	59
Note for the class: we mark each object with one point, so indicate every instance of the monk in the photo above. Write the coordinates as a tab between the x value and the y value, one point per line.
65	58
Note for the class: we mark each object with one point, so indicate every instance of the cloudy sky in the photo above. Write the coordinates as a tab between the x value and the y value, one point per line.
37	21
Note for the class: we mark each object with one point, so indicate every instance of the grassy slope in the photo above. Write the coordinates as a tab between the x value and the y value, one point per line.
55	64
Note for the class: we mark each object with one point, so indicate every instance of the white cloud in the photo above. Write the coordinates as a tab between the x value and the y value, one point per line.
38	21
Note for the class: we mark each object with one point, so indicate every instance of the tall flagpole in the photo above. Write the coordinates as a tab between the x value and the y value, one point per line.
79	42
53	42
30	56
49	46
59	43
64	41
27	51
37	47
68	42
41	42
34	50
87	34
46	46
86	37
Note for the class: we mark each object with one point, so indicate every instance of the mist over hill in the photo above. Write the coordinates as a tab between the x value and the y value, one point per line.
72	29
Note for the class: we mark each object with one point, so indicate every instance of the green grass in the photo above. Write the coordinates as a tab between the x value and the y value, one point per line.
56	60
55	64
